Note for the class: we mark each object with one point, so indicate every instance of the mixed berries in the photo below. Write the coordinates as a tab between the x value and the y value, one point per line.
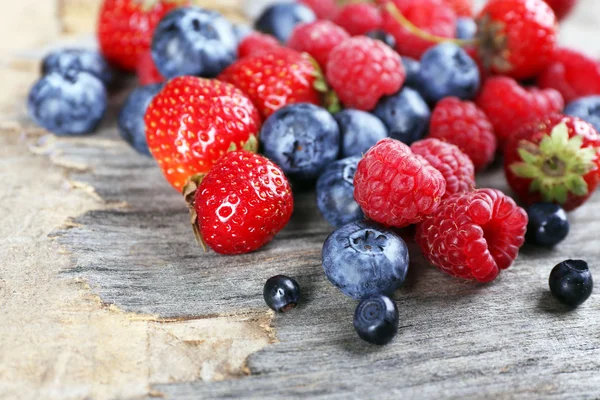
387	109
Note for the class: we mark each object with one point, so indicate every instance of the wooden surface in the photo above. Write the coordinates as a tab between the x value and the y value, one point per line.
104	293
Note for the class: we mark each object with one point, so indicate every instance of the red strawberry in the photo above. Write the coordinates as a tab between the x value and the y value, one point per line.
473	235
431	16
396	187
276	78
462	8
516	37
255	43
359	18
466	126
561	7
456	167
192	122
572	73
318	39
510	106
241	204
125	28
362	70
323	9
146	70
556	159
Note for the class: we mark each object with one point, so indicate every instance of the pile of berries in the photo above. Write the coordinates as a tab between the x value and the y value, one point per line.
387	108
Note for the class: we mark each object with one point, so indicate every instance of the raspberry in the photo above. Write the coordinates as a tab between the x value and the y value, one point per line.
323	9
510	106
462	8
395	187
362	70
317	39
466	126
561	7
572	73
359	18
255	43
456	167
474	235
431	16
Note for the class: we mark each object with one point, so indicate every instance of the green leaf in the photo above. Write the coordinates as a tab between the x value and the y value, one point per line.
560	135
525	170
232	147
527	157
536	186
251	144
575	143
577	185
320	86
557	193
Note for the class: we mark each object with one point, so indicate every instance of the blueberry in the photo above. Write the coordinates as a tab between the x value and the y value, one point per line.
412	67
571	282
80	60
131	118
302	138
360	131
193	41
383	36
586	108
447	70
363	258
241	31
376	320
548	224
68	103
335	193
280	19
405	114
281	293
466	28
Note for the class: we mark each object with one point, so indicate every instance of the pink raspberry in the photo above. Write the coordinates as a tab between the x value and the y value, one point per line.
359	18
396	187
323	9
456	167
473	235
318	39
255	43
362	70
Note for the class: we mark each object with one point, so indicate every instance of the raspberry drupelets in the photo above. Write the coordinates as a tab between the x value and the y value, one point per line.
362	70
317	39
192	122
474	235
396	187
359	18
466	126
255	43
456	167
572	73
323	9
242	203
510	106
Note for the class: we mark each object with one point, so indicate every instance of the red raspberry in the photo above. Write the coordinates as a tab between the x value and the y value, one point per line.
323	9
456	167
362	70
561	7
517	37
241	204
395	187
473	235
431	16
573	74
556	159
318	39
359	18
255	43
510	106
146	70
466	126
462	8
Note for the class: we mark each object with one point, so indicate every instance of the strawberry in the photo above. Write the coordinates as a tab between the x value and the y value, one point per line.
192	122
277	78
572	73
125	28
241	204
517	38
509	106
462	8
556	159
561	8
146	70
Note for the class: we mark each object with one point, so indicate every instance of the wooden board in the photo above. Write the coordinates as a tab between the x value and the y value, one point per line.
135	250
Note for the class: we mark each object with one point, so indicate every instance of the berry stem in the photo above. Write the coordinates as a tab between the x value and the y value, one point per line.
412	28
